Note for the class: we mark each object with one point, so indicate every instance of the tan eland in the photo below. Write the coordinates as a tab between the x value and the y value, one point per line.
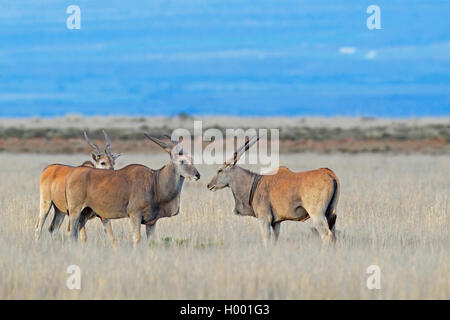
136	192
52	187
286	195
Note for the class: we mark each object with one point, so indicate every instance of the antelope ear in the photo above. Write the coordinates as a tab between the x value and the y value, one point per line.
229	163
232	162
174	143
95	157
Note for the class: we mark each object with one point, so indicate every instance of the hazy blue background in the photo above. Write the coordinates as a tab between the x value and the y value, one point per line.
225	57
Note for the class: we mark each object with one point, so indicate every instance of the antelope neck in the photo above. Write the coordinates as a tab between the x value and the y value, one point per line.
255	183
163	187
244	186
155	183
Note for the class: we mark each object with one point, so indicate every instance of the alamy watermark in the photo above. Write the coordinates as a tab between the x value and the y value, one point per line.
220	146
374	280
374	20
73	22
73	281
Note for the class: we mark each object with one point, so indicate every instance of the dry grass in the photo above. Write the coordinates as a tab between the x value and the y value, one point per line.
393	212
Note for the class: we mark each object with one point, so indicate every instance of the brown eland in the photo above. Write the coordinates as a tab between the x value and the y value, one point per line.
285	195
136	192
52	187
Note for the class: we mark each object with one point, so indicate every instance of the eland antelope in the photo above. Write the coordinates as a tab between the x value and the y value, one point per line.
283	196
52	187
136	192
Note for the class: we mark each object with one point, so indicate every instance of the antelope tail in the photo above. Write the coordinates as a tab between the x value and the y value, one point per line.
65	195
331	209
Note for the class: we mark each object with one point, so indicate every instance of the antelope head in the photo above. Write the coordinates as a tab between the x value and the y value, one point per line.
102	160
182	161
226	171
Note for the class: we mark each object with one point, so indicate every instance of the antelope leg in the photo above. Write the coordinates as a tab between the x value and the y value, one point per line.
44	210
85	215
108	229
135	224
83	235
276	231
74	224
58	219
150	230
265	231
321	225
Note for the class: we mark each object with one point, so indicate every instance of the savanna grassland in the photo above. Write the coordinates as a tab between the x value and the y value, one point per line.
393	212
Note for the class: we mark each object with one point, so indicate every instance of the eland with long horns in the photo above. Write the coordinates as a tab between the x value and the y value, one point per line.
283	196
136	192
